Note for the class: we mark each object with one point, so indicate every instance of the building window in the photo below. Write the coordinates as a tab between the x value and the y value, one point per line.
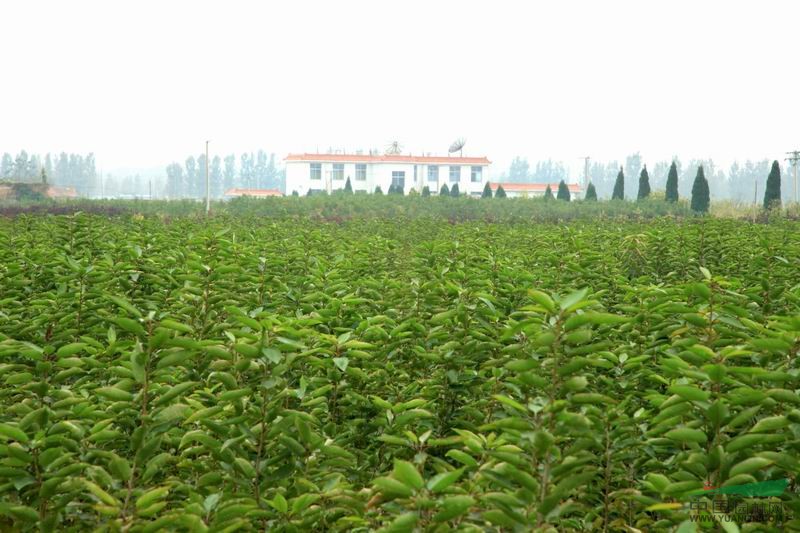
338	171
476	174
316	171
455	173
399	179
433	173
361	172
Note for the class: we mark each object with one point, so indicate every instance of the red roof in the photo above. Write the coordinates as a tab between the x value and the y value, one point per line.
259	193
534	187
388	158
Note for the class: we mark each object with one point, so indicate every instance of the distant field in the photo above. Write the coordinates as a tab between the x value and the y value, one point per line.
341	207
358	364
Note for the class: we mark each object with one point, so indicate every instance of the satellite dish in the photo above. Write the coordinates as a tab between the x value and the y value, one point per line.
394	148
458	145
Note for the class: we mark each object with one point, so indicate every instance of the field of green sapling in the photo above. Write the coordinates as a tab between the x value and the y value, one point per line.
414	373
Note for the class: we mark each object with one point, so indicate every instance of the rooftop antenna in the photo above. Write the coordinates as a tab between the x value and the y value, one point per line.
394	148
457	146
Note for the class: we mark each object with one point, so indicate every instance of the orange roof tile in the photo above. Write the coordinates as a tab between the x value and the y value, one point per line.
534	187
253	192
387	158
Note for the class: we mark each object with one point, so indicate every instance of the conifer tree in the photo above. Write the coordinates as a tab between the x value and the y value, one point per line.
672	183
348	189
426	191
308	193
700	193
454	192
772	195
294	193
591	193
563	192
619	187
644	184
44	177
548	193
487	191
500	192
444	191
378	190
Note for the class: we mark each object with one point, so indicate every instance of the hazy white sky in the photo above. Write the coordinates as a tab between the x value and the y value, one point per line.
145	83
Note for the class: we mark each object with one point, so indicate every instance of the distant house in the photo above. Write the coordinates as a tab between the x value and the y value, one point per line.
329	172
255	193
61	192
9	192
533	190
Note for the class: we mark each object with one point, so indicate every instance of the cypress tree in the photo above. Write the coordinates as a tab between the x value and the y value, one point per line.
454	192
619	187
563	192
308	193
672	183
644	184
772	195
487	191
591	193
348	189
426	191
294	193
548	193
500	192
700	192
378	190
444	191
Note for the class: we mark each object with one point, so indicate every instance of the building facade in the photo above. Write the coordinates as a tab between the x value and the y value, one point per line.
534	190
329	172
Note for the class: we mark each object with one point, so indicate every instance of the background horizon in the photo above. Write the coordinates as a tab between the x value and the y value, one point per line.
143	86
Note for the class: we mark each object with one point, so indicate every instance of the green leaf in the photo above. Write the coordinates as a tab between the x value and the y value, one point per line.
770	423
686	435
392	488
440	482
9	432
690	392
113	393
279	503
406	473
749	465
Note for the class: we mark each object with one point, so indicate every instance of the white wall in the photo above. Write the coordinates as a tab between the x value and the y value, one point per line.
298	177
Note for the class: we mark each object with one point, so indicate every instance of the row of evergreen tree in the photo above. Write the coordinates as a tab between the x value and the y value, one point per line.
64	170
737	183
254	171
700	195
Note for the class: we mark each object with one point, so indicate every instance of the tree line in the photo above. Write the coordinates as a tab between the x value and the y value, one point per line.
253	171
64	170
737	182
700	197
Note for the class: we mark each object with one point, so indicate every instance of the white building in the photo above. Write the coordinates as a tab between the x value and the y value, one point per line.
329	172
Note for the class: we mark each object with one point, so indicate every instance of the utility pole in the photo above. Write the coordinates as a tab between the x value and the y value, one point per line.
755	200
794	160
585	172
208	185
